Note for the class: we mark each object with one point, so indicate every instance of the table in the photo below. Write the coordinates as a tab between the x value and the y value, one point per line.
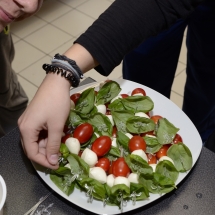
194	196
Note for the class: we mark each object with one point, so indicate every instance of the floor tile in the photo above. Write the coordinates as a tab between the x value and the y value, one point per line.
74	22
29	88
73	3
27	26
48	38
179	82
180	68
52	9
25	55
116	73
177	99
94	8
183	54
15	38
34	73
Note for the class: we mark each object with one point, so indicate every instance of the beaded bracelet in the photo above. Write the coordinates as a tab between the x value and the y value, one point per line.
67	67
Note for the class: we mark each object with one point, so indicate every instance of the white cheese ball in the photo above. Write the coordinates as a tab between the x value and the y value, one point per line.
138	94
89	157
111	119
110	180
166	158
72	105
115	98
73	145
129	135
114	142
134	177
97	135
141	114
141	153
153	166
122	180
101	109
99	174
147	135
68	166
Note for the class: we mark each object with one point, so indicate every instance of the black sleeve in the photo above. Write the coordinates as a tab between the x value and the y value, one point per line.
127	23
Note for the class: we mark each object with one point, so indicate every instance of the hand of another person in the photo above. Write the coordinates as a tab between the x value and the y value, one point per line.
48	111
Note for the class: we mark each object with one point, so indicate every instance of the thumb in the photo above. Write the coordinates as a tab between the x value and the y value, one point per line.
53	146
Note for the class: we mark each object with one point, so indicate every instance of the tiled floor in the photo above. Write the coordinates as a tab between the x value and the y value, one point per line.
53	29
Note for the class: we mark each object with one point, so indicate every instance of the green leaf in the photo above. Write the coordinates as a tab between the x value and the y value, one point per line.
74	119
86	101
108	91
122	140
138	192
139	125
166	131
116	105
102	125
152	144
181	156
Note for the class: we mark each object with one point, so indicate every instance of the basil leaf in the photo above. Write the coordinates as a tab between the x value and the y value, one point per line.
116	105
167	169
64	151
120	118
114	151
138	103
102	125
181	156
120	189
166	131
74	119
122	140
138	192
86	116
86	101
139	125
152	144
108	91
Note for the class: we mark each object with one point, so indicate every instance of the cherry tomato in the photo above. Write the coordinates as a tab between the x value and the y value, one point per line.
101	145
96	92
148	133
124	95
177	139
108	112
136	142
104	163
114	132
65	137
110	170
74	97
163	151
80	153
152	159
155	118
138	90
83	132
65	129
120	168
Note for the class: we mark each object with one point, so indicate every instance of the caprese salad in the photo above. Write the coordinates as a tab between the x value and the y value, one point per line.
115	150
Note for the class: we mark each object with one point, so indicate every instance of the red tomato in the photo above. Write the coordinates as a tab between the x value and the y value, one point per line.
155	118
163	151
83	132
151	158
108	112
65	137
120	168
136	142
74	97
65	129
114	132
96	92
177	139
124	95
80	153
110	170
138	90
104	163
101	145
147	133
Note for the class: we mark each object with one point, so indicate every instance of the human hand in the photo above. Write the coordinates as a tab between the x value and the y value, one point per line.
47	111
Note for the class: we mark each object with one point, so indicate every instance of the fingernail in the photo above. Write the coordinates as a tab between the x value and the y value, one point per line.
53	159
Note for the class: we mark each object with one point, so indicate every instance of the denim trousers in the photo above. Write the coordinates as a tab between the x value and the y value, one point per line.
153	63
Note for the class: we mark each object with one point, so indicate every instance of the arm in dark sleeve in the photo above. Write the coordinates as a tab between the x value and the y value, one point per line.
126	23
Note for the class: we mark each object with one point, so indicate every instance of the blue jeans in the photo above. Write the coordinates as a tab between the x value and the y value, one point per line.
154	63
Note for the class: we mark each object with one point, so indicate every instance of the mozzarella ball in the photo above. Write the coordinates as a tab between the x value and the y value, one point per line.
147	135
97	135
115	98
73	145
141	114
129	135
166	158
153	166
122	180
110	180
140	153
89	157
72	104
101	109
138	94
111	119
133	177
114	142
99	174
68	166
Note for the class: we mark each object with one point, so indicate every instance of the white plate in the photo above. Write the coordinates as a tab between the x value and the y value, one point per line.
163	107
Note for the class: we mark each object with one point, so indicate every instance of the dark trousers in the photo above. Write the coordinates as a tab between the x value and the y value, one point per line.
154	63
